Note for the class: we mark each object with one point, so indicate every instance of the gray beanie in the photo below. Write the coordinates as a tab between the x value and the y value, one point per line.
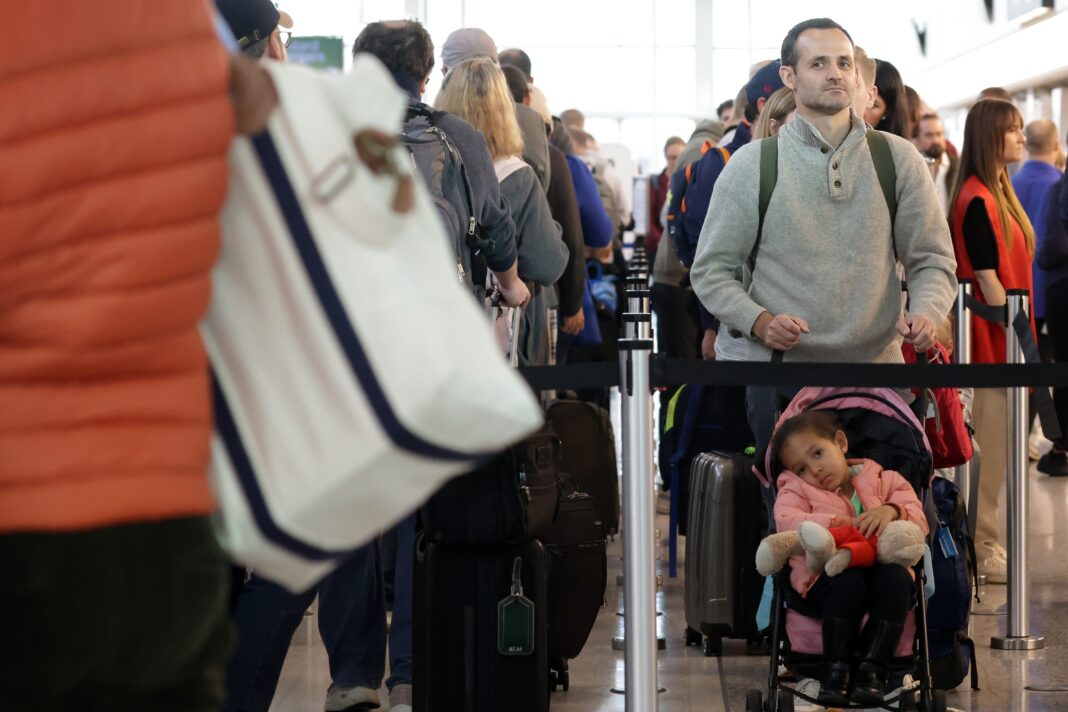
468	43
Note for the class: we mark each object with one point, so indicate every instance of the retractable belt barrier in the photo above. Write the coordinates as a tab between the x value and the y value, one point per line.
676	372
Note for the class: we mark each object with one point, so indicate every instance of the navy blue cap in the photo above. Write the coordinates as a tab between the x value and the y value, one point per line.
249	20
764	83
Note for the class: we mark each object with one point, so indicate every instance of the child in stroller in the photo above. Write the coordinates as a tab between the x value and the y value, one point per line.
853	458
818	484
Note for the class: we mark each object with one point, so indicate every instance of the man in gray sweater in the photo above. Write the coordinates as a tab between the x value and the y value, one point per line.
824	286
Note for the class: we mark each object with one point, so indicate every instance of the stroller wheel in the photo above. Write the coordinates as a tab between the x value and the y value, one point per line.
786	702
693	637
753	701
938	701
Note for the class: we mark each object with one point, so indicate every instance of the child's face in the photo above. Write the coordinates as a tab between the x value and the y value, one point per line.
816	459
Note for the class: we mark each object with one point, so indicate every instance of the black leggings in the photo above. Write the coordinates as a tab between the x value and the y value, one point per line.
884	590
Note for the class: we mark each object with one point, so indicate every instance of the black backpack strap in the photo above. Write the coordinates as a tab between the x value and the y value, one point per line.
969	645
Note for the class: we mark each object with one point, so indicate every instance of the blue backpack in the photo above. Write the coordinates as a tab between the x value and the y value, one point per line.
688	198
952	652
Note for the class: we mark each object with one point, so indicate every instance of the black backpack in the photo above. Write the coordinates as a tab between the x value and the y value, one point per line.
443	171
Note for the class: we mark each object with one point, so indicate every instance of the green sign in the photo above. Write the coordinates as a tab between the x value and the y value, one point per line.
317	52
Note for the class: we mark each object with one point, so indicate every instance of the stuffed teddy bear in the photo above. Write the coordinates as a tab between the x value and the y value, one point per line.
834	550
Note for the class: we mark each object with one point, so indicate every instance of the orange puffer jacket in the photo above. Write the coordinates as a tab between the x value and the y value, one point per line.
113	138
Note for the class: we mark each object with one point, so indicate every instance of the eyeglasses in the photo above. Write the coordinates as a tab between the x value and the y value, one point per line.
285	36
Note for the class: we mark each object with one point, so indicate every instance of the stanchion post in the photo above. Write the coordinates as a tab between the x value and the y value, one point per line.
1017	626
639	586
962	354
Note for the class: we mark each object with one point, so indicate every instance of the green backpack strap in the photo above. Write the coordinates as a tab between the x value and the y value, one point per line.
769	176
884	168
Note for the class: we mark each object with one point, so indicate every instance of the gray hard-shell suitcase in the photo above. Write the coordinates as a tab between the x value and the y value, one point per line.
727	521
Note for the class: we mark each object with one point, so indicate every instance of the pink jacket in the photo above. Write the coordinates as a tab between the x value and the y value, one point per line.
799	501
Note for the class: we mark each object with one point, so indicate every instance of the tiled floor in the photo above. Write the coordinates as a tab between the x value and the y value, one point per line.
695	683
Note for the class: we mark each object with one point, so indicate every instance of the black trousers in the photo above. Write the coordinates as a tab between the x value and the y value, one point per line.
1057	325
885	591
127	618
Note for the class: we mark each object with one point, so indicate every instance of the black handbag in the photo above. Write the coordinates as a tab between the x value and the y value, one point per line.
509	501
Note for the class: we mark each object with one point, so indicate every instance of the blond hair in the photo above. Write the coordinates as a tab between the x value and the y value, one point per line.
866	65
776	108
984	140
477	92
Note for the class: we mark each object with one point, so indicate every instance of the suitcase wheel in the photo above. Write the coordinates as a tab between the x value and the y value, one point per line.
559	680
693	637
713	646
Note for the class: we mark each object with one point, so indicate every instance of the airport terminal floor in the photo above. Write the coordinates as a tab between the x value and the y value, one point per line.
695	683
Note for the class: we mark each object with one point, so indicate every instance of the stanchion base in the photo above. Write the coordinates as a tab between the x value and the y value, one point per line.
621	691
620	643
620	613
1029	643
1042	687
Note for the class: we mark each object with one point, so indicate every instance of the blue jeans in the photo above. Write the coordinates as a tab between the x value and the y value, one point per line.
400	630
352	623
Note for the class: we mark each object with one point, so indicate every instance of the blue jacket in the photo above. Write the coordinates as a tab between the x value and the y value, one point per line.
597	228
1051	254
1034	187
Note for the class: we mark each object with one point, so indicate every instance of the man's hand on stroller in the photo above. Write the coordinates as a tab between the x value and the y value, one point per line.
874	521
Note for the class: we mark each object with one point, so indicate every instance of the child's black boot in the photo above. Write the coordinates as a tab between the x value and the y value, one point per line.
839	637
871	675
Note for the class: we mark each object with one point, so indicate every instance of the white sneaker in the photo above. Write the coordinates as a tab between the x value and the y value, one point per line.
995	568
906	683
351	699
810	687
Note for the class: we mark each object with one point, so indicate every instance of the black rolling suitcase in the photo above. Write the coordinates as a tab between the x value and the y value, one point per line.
467	659
588	454
578	574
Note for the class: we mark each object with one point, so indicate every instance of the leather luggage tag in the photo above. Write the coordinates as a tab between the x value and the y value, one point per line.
515	618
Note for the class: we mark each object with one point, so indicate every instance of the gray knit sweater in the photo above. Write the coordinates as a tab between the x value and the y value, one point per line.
827	254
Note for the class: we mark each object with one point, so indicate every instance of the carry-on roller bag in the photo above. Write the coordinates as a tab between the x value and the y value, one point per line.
589	454
727	520
578	574
480	629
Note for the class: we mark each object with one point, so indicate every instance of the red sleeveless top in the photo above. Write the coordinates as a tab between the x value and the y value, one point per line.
1014	268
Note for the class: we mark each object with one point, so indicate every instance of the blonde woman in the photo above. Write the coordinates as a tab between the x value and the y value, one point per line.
778	110
477	92
994	245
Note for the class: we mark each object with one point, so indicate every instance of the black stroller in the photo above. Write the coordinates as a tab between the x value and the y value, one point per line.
884	429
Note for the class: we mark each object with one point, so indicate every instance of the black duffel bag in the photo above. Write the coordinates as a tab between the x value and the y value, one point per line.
509	501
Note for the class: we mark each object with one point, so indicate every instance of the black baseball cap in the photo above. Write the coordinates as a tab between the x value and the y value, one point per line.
249	20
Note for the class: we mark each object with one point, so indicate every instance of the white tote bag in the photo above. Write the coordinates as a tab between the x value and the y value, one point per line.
352	373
